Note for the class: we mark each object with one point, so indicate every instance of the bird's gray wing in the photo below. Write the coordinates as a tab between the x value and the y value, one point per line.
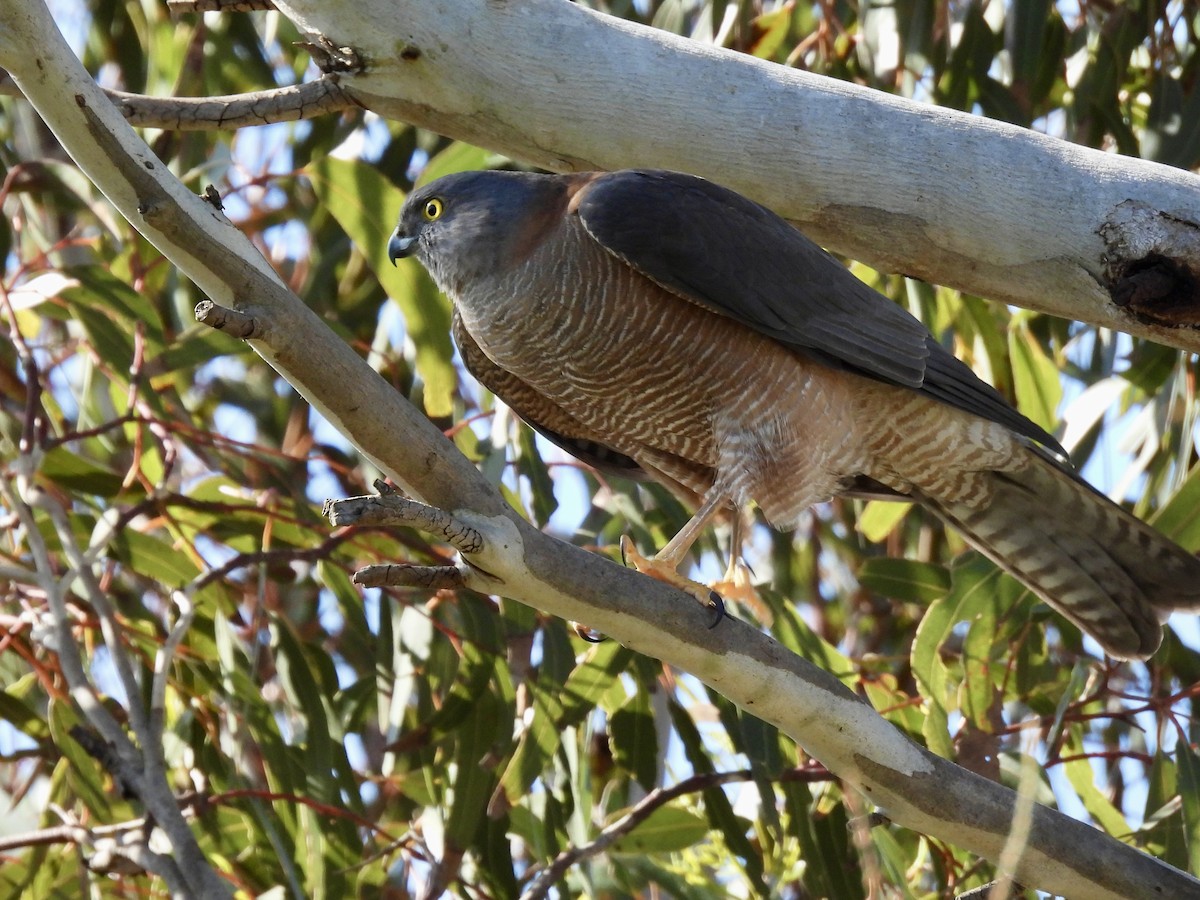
716	248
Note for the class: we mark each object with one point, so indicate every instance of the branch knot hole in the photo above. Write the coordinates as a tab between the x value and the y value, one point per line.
1152	265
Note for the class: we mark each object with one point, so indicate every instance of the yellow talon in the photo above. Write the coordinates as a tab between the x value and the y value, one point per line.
665	572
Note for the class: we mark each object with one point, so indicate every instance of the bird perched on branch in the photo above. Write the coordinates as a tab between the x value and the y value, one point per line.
655	323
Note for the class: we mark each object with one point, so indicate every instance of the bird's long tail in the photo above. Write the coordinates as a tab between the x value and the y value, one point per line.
1108	572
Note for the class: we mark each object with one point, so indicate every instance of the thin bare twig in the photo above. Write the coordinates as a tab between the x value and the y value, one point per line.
80	572
540	887
59	834
243	560
203	6
162	671
294	103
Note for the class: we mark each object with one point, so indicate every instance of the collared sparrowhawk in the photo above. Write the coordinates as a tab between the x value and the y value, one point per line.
654	323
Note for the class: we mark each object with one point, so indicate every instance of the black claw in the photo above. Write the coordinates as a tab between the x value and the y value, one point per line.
624	561
717	604
592	637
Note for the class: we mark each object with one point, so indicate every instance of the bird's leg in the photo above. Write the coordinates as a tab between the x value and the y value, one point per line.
664	564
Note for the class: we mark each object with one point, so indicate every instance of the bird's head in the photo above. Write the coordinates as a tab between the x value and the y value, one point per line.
473	224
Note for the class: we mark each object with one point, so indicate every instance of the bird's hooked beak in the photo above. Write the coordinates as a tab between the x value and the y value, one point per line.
401	245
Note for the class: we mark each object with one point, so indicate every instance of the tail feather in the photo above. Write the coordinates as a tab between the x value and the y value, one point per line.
1108	572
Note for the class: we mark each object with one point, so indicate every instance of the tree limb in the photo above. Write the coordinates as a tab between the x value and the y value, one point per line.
992	209
916	788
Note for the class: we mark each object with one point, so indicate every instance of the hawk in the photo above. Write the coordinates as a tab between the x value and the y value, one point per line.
656	324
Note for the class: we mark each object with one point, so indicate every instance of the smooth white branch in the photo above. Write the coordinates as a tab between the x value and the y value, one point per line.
990	208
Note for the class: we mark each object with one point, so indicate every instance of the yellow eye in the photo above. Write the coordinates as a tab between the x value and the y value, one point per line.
432	210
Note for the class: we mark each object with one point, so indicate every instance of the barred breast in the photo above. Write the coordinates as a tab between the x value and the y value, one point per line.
688	394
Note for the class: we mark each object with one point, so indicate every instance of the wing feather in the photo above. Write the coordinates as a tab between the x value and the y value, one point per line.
722	251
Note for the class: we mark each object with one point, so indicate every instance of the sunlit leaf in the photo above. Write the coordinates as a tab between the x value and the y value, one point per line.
1035	379
879	517
905	579
366	206
666	829
1079	772
71	470
1179	519
635	740
1189	792
458	157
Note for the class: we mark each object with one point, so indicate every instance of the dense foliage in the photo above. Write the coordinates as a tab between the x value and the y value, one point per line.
398	742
